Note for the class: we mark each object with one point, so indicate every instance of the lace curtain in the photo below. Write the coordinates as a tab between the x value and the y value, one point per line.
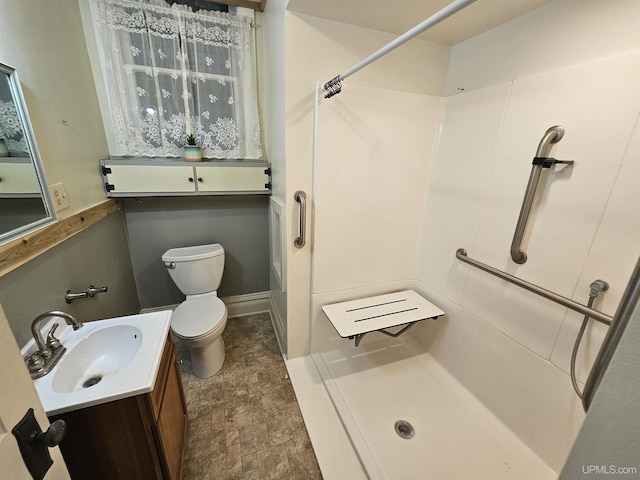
10	123
171	72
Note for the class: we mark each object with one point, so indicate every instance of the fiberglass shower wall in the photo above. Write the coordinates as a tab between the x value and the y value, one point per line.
374	151
509	347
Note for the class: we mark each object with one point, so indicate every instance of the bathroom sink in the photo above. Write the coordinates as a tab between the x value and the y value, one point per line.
106	360
101	355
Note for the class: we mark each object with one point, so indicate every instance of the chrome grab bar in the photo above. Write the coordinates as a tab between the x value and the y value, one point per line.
301	198
461	254
552	135
628	304
618	324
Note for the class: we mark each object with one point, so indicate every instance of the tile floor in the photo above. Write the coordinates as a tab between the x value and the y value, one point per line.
244	422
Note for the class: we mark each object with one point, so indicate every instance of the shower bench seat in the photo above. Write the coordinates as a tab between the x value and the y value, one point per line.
355	318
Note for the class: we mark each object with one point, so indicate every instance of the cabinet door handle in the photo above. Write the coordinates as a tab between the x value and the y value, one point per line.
301	198
191	179
200	179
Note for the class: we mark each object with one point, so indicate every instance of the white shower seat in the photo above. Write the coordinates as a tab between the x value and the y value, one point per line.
356	318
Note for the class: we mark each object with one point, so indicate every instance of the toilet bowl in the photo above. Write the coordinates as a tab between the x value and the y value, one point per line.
199	321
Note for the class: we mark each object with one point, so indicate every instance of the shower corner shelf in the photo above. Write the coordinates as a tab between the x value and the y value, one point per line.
355	318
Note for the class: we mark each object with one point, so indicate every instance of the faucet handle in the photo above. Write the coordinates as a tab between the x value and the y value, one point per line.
34	362
52	341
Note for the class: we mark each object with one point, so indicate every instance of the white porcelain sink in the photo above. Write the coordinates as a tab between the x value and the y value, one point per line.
103	354
106	360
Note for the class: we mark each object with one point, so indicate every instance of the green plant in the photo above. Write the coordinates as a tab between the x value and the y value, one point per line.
191	139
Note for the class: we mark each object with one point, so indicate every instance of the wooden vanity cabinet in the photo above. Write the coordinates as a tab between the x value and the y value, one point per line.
135	438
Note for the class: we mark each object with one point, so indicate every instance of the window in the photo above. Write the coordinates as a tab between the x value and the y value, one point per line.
170	72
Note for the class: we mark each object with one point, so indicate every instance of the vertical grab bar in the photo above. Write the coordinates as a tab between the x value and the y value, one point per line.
301	198
628	305
541	160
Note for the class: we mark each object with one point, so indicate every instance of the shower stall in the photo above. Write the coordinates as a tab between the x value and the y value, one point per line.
400	181
403	180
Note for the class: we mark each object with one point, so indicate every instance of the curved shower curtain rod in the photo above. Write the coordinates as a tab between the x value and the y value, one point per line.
334	86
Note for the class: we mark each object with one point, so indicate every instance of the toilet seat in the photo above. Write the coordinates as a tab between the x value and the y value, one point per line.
198	317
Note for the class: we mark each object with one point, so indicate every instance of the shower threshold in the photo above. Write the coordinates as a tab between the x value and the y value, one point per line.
454	435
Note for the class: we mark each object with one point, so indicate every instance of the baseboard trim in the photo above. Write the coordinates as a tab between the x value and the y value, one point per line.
237	305
247	304
276	321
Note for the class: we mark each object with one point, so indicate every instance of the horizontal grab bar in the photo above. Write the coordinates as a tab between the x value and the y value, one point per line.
461	254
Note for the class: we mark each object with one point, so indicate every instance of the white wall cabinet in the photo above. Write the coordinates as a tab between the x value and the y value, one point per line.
153	177
18	178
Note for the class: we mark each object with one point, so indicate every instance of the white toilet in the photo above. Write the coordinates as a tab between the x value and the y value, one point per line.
199	321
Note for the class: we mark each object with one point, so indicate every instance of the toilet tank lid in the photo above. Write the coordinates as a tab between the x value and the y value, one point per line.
198	252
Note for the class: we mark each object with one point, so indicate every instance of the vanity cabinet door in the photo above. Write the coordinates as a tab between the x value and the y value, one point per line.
111	441
134	438
172	422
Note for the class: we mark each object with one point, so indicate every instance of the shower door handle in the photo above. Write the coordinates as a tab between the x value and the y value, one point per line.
301	198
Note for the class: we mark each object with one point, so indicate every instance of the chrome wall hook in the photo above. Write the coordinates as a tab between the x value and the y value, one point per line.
70	296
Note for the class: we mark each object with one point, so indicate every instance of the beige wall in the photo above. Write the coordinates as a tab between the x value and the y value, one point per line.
44	42
271	85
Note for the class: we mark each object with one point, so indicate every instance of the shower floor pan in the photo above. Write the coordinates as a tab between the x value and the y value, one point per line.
455	437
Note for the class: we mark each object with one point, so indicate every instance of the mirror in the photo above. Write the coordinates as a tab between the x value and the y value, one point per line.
24	203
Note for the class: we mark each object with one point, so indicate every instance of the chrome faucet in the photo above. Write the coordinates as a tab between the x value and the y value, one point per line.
50	350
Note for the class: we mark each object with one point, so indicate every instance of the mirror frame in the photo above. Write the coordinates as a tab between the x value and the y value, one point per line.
21	107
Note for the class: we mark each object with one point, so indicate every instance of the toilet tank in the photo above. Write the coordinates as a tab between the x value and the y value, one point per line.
196	269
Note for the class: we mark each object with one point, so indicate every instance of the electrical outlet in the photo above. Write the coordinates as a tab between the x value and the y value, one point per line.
59	195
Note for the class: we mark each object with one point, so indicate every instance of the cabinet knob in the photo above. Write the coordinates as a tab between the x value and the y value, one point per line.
200	179
191	179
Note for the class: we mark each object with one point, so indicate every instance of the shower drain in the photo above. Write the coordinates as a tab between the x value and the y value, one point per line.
91	381
404	429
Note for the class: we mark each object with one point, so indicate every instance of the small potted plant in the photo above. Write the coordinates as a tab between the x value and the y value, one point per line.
192	151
